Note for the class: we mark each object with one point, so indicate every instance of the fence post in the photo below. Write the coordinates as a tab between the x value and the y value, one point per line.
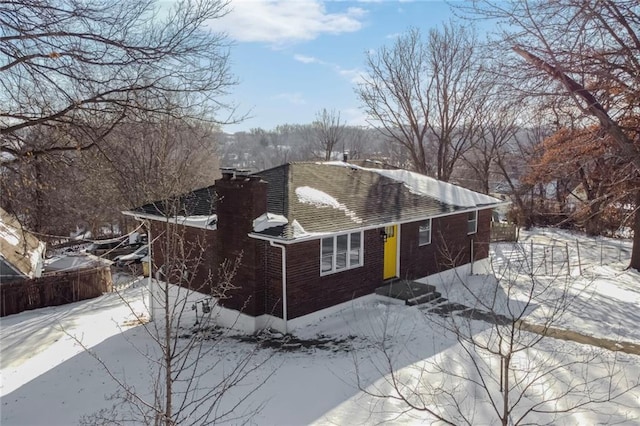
619	250
531	256
579	260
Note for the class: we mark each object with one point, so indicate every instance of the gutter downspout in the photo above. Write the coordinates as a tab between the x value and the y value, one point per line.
147	223
150	255
284	282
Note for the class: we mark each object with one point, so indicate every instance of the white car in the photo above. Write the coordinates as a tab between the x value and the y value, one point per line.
135	257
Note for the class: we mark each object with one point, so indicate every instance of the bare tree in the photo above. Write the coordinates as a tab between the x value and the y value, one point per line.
328	132
159	156
82	67
141	160
503	366
496	125
190	381
589	50
356	144
420	93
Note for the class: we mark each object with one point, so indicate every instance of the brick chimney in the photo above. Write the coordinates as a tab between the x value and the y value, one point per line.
241	197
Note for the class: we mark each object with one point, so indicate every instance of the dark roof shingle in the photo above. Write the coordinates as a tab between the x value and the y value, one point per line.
358	198
200	202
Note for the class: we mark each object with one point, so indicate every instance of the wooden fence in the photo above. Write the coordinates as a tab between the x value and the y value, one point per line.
558	257
54	289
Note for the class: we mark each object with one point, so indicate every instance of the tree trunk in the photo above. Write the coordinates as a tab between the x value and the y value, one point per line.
506	360
592	223
635	251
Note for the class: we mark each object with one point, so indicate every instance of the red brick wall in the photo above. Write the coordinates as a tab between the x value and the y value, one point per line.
239	202
450	245
308	292
174	244
259	278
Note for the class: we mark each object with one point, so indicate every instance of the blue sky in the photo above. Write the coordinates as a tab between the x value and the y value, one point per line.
295	57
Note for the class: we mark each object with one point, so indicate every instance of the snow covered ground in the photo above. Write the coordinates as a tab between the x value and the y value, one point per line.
46	377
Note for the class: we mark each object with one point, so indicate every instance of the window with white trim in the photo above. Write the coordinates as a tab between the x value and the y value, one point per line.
341	252
472	222
424	233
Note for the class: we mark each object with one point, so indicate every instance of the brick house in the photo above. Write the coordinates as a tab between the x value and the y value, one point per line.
315	236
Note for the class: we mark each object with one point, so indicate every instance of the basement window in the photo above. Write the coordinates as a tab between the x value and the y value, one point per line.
340	252
424	233
472	222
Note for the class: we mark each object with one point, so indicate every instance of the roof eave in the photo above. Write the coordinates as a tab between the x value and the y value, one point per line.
169	219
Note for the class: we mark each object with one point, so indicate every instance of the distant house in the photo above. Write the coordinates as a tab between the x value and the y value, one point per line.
21	252
577	198
315	236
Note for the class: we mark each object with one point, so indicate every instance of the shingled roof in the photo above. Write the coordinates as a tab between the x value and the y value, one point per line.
200	202
336	196
327	197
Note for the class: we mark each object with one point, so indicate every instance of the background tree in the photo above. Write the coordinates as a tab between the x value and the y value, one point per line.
587	51
598	183
53	194
73	73
329	132
495	129
85	66
158	156
140	161
420	94
357	144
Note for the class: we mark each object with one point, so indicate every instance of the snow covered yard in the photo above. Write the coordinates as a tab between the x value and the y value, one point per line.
48	378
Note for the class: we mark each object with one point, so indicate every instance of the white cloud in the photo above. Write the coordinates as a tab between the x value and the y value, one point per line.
354	75
306	59
280	22
293	98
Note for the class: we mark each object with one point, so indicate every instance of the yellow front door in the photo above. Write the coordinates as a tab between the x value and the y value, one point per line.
390	251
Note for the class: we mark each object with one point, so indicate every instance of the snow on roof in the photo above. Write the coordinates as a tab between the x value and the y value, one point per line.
19	247
10	235
196	221
320	199
68	263
424	185
443	191
298	230
268	220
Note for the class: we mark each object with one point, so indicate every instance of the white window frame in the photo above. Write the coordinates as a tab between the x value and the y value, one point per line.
334	269
472	220
422	224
